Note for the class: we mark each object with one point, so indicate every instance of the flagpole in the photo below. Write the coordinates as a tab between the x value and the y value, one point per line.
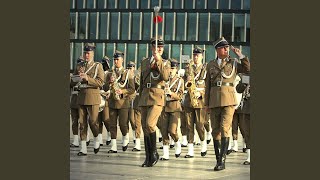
156	11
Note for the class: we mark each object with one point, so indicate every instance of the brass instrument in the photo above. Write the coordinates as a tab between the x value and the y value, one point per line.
114	86
191	85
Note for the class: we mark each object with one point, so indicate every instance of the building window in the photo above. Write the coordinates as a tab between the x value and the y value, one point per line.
109	51
212	4
201	4
227	26
166	4
186	50
236	4
246	50
155	3
246	4
93	26
72	25
79	4
203	26
103	25
175	51
168	33
180	28
122	47
210	53
71	4
214	26
90	4
248	28
122	4
133	4
192	27
82	25
146	30
144	4
142	52
159	26
239	29
98	54
125	26
100	4
176	4
111	4
135	24
188	4
114	24
223	4
131	53
77	51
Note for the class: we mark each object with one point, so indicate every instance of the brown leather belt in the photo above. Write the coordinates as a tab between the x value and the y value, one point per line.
219	84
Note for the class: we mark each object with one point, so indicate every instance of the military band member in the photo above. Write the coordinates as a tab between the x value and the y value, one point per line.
220	97
89	98
208	128
135	110
104	114
154	73
74	109
194	101
173	91
121	87
243	113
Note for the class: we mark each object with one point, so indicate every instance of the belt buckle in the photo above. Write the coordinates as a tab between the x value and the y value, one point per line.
219	83
148	85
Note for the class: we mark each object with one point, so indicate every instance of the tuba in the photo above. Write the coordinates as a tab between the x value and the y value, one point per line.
191	86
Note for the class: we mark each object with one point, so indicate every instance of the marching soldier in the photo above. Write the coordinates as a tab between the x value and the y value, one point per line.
121	87
154	73
135	110
244	114
208	128
89	98
104	114
173	91
74	108
194	101
220	97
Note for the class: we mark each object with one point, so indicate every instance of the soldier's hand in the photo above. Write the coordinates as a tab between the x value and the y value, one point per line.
156	56
237	51
84	76
119	91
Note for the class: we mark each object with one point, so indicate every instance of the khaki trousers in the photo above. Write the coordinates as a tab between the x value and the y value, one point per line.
169	124
122	114
135	121
88	113
75	120
244	124
149	118
197	117
221	120
183	123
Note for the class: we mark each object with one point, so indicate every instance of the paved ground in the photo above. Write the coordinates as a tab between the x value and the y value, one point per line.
126	165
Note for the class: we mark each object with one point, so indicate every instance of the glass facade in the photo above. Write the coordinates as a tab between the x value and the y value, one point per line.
127	25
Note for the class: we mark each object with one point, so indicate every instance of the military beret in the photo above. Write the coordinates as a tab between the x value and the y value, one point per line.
131	64
89	47
160	41
118	54
221	42
174	62
197	50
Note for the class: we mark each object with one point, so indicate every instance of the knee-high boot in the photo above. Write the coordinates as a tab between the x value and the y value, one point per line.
147	150
154	156
222	155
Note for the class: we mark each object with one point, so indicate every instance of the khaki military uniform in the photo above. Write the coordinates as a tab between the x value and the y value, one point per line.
171	113
196	115
104	117
135	110
89	99
220	94
152	98
74	108
120	108
243	115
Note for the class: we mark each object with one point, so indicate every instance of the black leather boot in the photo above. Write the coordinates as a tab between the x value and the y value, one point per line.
146	148
154	156
222	155
216	145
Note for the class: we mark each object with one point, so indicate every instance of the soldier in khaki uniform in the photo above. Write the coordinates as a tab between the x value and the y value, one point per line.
121	87
104	114
135	110
194	106
174	91
243	114
74	109
154	73
220	95
89	98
